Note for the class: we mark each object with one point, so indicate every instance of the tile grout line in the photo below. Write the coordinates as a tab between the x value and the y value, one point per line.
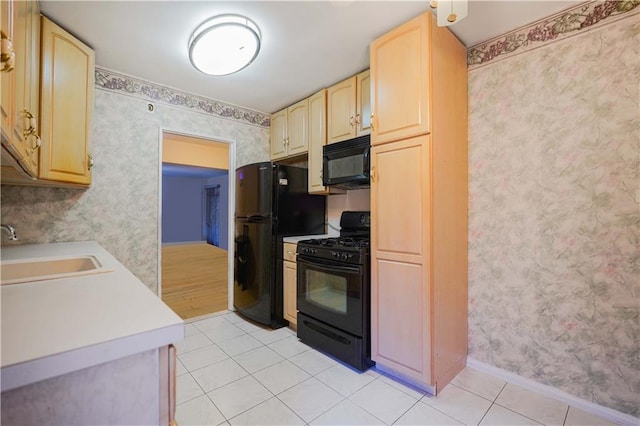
249	374
566	415
253	406
485	413
518	413
406	411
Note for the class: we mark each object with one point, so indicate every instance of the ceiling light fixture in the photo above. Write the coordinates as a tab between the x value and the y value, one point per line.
449	12
224	44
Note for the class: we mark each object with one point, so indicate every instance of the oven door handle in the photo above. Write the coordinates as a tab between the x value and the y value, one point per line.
328	265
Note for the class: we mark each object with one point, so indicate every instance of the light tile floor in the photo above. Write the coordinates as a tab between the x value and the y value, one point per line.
232	371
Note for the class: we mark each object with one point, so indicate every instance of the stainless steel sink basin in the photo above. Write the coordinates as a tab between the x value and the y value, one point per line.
40	269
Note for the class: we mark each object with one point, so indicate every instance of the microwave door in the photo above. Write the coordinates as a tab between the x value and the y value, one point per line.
347	166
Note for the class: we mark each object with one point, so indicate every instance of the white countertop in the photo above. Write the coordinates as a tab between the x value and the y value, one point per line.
306	237
58	326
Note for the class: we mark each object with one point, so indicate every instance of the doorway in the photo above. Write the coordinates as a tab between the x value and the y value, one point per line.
194	273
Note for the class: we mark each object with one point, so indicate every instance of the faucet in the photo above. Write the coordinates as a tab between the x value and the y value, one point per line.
10	230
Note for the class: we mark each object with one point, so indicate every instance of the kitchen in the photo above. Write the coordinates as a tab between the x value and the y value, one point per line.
518	218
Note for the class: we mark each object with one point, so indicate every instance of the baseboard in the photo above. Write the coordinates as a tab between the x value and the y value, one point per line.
574	401
390	372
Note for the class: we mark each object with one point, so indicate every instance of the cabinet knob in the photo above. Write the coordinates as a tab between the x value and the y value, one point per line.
351	121
372	123
7	54
372	173
358	118
37	143
90	161
30	129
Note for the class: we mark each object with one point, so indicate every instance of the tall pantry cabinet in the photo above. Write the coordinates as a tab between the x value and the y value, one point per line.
419	203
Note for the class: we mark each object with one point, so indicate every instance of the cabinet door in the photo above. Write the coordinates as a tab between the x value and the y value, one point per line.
317	139
400	284
363	103
32	88
289	283
279	135
20	46
341	111
297	128
21	146
66	106
7	77
400	95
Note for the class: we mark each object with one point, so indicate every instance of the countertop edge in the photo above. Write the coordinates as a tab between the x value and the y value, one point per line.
29	372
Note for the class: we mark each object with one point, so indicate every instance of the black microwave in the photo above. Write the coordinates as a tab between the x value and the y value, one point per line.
346	164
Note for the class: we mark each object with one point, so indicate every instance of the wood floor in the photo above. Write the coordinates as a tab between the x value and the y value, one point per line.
194	279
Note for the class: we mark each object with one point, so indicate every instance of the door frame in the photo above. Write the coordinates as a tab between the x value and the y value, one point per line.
230	207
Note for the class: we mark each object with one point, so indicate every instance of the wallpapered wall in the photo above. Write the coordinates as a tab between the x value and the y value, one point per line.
120	210
554	267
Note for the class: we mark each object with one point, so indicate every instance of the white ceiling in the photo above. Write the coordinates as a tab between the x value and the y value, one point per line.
307	45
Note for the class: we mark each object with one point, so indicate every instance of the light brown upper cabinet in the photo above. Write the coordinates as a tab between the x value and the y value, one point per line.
289	131
279	134
317	139
20	86
348	108
363	103
47	102
67	93
401	82
419	203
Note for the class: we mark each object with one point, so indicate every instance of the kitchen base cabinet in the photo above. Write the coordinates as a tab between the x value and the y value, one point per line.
419	204
290	284
124	391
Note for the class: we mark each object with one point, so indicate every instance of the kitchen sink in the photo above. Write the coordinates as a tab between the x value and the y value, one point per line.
40	269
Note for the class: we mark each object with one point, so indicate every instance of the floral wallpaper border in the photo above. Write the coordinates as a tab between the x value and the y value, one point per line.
561	25
124	84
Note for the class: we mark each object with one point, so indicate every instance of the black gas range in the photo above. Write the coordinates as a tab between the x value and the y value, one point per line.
345	249
352	246
334	291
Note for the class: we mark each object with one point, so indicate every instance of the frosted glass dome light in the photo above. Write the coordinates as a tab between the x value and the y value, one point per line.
224	44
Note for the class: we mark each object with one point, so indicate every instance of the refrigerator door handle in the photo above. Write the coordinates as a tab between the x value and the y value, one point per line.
256	218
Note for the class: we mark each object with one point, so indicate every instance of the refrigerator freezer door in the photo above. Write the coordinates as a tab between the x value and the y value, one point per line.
254	190
253	269
297	212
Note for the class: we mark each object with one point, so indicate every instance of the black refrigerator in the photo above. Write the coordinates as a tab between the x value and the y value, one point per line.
271	203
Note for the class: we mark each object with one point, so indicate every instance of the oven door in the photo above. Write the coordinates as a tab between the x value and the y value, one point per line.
331	292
